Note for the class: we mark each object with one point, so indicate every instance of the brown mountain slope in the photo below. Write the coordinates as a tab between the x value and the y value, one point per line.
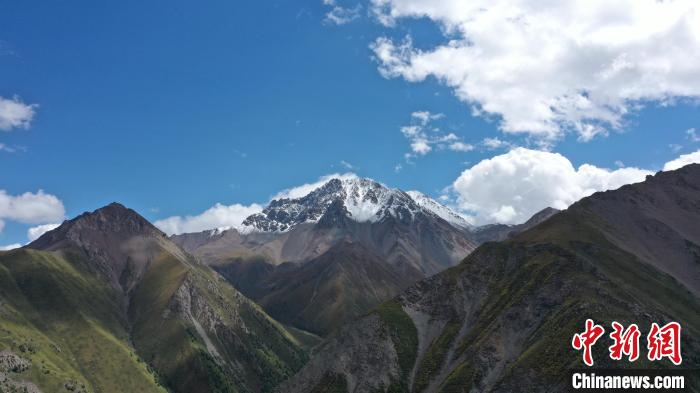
502	320
108	301
324	293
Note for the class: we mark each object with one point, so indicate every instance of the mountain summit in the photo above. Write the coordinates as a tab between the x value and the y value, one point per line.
360	199
106	302
117	240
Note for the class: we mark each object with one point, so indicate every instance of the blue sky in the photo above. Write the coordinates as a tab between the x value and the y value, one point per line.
171	107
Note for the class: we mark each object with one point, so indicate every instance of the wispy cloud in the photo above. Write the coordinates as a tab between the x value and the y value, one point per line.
424	136
339	15
347	165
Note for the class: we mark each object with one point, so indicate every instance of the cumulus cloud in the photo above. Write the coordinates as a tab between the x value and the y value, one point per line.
548	68
34	233
217	216
683	160
15	114
424	136
31	208
511	187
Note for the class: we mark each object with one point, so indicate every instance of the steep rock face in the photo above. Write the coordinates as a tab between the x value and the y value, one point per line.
109	293
502	320
408	236
389	222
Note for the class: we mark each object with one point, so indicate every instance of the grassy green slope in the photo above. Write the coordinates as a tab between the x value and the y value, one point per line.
64	322
246	350
72	328
563	272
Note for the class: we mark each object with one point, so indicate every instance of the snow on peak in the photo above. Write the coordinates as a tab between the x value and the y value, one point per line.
439	209
363	200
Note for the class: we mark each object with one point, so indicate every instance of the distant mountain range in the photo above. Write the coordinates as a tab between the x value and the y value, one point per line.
318	261
503	319
107	302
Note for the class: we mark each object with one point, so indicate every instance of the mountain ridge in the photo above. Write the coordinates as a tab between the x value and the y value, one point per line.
502	320
411	235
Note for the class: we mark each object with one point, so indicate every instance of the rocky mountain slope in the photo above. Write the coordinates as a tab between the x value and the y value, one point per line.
415	235
391	239
503	319
107	303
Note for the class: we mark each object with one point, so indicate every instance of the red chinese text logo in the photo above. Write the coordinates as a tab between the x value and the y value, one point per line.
626	342
587	339
665	342
662	342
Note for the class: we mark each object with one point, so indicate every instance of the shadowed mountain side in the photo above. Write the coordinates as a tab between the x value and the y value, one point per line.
324	293
502	320
386	255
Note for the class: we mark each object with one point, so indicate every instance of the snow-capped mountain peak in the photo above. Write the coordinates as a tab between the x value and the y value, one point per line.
440	210
363	200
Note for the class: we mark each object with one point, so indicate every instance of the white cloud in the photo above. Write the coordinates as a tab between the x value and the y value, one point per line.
217	216
461	146
34	233
424	137
4	147
31	208
339	15
424	117
420	146
15	114
547	68
683	160
693	135
346	165
10	247
511	187
494	143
